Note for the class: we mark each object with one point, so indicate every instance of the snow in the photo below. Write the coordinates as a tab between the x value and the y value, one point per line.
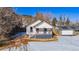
21	48
64	43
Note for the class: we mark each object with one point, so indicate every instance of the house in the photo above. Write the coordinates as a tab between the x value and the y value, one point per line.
66	30
76	29
39	29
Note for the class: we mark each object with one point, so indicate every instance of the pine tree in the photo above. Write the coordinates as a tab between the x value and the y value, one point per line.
54	21
67	22
60	21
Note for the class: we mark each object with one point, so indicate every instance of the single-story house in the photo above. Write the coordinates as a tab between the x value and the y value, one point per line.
67	30
76	29
39	28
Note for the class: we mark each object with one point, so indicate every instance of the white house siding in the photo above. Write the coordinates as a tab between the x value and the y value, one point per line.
28	27
27	30
38	24
42	32
30	33
35	23
44	25
67	32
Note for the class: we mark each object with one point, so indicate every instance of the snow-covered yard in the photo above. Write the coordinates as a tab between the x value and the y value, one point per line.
65	43
21	48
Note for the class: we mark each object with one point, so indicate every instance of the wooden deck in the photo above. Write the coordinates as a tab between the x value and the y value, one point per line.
42	40
24	40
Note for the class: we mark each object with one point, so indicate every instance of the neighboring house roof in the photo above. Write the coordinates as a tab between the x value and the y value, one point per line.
76	27
69	27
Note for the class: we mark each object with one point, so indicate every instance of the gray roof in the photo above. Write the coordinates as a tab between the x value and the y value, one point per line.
70	27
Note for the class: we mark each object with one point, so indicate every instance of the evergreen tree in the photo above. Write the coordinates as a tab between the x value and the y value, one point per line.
54	21
60	21
67	22
64	21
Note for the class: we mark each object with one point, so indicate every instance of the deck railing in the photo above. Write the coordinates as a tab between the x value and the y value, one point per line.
43	39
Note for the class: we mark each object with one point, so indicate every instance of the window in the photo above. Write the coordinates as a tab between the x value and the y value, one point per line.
31	29
45	30
37	30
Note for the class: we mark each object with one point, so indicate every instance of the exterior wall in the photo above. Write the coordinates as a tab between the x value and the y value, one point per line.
44	25
27	30
42	32
35	23
67	32
34	32
28	27
30	33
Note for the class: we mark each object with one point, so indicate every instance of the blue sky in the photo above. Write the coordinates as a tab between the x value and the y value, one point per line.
71	12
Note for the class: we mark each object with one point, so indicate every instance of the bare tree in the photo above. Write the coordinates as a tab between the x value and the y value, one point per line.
39	16
8	20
